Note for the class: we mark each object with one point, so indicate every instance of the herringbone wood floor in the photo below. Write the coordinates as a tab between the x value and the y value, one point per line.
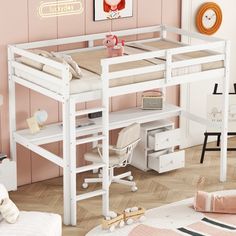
154	190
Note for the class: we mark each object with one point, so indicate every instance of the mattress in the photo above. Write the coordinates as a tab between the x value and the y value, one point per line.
90	63
33	224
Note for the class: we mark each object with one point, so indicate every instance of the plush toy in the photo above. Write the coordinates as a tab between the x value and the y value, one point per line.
129	216
114	47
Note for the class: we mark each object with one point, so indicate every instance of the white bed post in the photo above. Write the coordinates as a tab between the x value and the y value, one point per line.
73	148
163	32
12	104
66	147
224	132
12	108
105	143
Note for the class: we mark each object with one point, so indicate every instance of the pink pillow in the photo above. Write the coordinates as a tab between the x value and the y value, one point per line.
215	203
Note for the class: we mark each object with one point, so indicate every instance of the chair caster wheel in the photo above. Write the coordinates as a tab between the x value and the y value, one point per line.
84	185
134	189
130	178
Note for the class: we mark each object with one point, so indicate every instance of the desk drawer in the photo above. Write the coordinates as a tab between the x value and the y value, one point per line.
163	161
166	139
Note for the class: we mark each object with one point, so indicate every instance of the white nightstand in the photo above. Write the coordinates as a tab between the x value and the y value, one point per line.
156	149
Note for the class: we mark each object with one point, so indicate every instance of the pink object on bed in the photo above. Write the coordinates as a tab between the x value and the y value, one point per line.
207	202
114	48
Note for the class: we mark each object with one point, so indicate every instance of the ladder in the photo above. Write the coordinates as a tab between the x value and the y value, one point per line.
94	136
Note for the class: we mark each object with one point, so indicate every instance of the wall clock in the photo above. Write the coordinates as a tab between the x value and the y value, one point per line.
209	18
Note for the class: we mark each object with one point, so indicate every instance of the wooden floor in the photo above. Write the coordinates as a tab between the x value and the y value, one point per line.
154	190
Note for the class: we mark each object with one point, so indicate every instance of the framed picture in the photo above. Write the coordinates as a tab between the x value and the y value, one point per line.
214	113
112	9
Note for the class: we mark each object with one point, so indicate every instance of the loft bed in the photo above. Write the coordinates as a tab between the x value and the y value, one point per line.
148	64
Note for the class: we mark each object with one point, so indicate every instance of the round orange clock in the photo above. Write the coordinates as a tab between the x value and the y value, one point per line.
209	18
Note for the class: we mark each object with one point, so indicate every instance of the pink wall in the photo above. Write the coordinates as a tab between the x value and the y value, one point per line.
19	22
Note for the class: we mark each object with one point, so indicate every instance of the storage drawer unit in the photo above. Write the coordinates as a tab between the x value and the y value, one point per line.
165	139
164	161
156	148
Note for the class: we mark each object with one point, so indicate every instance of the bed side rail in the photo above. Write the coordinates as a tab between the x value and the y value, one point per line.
62	82
89	38
196	35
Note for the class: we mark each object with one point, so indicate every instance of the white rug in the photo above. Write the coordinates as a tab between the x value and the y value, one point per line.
172	216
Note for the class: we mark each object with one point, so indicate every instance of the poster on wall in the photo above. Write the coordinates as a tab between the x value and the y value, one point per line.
214	113
112	9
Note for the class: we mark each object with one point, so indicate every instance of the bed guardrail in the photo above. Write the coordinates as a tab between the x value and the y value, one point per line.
167	56
60	85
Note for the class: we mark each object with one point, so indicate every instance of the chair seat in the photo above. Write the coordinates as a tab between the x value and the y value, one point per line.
114	158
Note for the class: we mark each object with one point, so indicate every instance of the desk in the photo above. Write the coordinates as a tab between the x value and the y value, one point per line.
119	119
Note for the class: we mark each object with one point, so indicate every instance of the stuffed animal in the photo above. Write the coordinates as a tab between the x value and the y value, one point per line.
114	47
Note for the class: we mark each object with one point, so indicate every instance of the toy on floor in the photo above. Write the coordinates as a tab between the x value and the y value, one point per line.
114	47
129	216
134	214
113	221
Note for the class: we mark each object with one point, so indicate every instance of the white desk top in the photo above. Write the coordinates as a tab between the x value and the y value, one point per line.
119	119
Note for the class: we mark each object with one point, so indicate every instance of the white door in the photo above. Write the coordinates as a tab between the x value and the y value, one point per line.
193	97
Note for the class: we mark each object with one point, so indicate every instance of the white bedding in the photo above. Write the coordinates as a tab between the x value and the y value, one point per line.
33	224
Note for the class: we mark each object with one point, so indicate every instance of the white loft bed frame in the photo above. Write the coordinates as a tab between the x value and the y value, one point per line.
70	135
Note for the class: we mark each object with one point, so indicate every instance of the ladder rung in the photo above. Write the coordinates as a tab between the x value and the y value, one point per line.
90	195
90	139
89	167
87	111
88	130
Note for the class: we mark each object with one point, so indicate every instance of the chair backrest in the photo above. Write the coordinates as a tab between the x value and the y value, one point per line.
128	138
128	135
